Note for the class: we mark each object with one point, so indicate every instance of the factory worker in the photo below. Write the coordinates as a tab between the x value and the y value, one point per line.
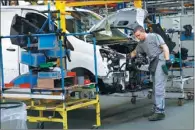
158	53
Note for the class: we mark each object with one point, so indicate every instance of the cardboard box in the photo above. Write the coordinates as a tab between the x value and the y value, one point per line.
45	83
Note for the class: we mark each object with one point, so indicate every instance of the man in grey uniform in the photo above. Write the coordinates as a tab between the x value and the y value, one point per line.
158	53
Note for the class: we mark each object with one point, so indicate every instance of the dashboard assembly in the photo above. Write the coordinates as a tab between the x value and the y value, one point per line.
123	70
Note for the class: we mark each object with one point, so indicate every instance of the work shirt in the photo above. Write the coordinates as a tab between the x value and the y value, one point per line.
151	45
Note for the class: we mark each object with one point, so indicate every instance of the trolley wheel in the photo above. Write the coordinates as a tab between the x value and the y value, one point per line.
149	95
192	97
95	127
180	102
189	95
133	100
40	125
150	91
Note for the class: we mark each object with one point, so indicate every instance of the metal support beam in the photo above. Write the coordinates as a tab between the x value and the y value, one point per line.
98	2
61	5
138	3
159	19
45	2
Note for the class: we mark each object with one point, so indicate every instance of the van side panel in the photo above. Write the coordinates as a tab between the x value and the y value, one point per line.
83	56
10	58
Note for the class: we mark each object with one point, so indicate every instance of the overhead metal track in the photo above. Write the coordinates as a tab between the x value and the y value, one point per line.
169	4
170	11
89	3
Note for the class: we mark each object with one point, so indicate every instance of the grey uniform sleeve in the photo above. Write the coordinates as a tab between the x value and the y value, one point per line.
139	49
159	40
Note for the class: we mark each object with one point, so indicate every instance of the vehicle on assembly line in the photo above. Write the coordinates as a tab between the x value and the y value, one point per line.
111	47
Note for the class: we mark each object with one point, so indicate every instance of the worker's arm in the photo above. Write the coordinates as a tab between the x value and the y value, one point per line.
133	53
138	49
165	49
163	46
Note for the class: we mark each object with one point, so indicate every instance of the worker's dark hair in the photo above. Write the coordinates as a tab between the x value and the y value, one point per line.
139	27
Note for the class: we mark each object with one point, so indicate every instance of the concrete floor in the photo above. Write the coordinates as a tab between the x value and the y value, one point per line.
119	113
176	118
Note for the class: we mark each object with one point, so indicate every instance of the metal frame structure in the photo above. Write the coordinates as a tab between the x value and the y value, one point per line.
166	7
97	2
91	2
179	91
52	102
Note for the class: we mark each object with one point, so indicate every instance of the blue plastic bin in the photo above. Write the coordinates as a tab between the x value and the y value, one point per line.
33	59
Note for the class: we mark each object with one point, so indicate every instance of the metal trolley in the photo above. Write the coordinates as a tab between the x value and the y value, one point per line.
57	100
177	88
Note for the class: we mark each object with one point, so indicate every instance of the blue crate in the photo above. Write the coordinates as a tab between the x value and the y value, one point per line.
25	78
47	42
52	74
32	59
56	53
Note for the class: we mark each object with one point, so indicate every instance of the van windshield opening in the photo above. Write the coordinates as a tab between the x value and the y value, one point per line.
80	21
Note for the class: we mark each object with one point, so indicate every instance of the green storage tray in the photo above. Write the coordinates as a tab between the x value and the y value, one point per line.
47	65
92	85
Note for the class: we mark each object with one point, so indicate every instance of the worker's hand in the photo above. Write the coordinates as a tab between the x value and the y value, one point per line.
129	56
166	67
132	54
168	64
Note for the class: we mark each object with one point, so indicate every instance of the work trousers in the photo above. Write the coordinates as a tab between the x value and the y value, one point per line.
159	83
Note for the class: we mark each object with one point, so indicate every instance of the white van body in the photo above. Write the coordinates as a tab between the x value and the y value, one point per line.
82	58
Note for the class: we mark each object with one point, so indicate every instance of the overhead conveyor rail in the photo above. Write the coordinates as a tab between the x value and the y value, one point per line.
91	2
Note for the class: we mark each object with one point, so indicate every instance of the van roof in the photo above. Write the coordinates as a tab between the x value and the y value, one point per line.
42	8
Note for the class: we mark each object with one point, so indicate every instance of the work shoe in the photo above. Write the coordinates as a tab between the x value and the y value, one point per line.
156	117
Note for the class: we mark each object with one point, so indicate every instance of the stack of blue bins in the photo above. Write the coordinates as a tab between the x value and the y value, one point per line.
47	47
